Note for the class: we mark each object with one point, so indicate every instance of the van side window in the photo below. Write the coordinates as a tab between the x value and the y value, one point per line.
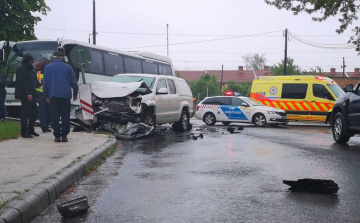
320	91
172	87
211	101
294	91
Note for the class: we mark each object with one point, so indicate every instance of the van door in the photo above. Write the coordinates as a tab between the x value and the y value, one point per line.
321	101
295	100
175	101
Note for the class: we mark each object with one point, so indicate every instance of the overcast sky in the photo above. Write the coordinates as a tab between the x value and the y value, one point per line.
126	24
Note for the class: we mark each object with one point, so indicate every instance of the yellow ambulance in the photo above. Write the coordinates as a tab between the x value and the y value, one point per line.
302	97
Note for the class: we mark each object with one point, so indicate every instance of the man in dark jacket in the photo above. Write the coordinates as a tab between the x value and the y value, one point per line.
25	90
59	78
2	96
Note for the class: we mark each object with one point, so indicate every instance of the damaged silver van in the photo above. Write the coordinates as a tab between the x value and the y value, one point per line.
143	98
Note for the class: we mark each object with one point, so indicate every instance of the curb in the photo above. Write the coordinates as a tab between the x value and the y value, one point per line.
30	204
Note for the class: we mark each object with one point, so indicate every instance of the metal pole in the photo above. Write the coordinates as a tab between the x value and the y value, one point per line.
89	37
285	57
221	81
167	36
343	66
94	24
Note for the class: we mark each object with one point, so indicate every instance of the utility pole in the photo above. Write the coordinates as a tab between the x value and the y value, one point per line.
94	24
221	81
285	57
167	36
343	66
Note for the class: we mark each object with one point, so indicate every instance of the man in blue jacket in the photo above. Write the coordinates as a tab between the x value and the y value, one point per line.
59	78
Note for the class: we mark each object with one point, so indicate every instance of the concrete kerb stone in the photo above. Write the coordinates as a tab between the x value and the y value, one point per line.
49	190
34	201
11	215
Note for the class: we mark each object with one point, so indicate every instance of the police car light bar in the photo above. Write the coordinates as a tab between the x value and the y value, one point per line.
230	93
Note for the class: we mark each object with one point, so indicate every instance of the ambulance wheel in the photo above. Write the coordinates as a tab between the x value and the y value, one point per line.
339	129
209	118
226	123
259	120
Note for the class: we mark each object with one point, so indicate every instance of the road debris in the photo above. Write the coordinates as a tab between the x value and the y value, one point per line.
313	185
233	130
74	207
195	137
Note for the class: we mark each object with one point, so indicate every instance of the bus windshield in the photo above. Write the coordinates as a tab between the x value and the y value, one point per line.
39	50
149	81
336	90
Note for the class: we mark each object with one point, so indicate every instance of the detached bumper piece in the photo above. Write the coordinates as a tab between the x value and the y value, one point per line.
74	207
313	185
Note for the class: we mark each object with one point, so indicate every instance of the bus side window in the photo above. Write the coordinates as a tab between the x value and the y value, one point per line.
165	69
113	64
96	66
132	65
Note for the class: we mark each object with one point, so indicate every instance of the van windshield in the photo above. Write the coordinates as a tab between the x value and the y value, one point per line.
336	90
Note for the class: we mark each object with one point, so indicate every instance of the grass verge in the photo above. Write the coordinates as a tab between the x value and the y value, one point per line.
9	130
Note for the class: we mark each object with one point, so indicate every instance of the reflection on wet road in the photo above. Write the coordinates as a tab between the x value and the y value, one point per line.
223	178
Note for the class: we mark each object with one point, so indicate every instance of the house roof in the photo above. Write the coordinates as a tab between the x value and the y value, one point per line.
228	75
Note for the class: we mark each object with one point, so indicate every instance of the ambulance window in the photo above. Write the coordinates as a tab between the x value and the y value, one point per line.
224	101
320	91
211	101
237	101
294	91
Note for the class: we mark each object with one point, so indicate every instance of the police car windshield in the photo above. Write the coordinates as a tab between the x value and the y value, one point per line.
252	102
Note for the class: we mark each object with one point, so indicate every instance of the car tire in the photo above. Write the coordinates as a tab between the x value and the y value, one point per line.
183	124
209	118
339	129
226	123
259	120
149	119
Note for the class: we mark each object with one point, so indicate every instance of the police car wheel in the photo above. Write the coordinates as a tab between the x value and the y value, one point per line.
259	120
226	123
209	119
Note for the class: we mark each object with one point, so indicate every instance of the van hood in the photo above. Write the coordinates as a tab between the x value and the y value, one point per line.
117	90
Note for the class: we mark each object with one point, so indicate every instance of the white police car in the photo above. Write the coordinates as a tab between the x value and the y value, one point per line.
227	109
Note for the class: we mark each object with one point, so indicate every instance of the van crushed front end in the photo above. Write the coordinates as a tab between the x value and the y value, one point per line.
118	108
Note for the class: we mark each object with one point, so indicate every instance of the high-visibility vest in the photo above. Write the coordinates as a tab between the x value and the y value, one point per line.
39	77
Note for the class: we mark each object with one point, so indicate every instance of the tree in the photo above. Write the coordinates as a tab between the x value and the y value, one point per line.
254	61
314	71
243	88
347	9
206	81
177	73
17	20
291	69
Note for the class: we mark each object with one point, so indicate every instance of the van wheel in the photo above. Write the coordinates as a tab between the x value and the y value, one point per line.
259	120
183	124
339	129
226	123
209	118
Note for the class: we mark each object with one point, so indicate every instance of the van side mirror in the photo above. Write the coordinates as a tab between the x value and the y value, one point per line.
2	55
162	91
244	104
349	88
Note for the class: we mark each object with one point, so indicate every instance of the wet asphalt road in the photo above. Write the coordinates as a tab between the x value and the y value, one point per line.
222	178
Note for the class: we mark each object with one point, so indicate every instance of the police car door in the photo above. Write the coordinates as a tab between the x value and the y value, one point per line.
238	111
224	113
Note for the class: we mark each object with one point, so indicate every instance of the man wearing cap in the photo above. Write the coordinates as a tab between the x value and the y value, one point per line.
59	78
25	90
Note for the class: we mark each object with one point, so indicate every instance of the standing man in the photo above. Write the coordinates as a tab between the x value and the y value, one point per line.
25	91
2	96
44	107
59	78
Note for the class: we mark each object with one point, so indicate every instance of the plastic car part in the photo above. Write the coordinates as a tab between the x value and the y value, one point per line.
74	207
313	185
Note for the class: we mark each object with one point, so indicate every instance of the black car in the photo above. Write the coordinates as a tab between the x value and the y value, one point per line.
345	115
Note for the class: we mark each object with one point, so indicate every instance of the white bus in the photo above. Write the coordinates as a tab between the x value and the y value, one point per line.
105	63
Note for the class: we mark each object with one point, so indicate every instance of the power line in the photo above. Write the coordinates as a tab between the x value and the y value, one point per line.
202	41
244	53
